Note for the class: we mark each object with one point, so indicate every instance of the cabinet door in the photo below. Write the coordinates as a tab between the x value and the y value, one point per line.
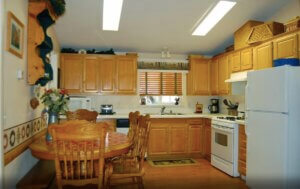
263	56
126	75
107	74
72	73
200	76
242	150
158	140
286	47
178	139
196	139
236	61
214	77
90	74
246	59
223	75
207	141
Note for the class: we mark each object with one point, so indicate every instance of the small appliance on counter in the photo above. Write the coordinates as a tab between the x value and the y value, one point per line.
106	109
214	107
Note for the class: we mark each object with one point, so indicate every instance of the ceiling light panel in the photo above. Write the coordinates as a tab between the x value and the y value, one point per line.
213	17
111	14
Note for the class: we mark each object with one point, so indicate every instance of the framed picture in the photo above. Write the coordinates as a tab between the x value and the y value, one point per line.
15	35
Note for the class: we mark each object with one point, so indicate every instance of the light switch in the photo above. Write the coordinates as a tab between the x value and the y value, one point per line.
20	74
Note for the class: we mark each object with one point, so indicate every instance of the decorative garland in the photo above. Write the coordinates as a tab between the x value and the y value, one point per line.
45	20
45	47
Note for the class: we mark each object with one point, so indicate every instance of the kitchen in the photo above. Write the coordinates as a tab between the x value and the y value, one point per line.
126	79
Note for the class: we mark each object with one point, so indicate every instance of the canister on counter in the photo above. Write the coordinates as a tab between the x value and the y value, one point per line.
199	108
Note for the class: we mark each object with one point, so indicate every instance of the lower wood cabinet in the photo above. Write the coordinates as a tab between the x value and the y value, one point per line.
242	150
184	137
207	139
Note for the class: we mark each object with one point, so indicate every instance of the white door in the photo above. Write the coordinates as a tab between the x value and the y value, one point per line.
266	149
266	90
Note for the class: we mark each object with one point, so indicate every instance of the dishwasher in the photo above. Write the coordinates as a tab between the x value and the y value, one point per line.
122	125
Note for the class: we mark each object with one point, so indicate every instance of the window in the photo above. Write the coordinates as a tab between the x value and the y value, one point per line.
160	83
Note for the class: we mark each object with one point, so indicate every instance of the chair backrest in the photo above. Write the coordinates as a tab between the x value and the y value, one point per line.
133	121
143	138
79	152
82	114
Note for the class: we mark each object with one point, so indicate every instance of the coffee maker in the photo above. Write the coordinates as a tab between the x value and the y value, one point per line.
214	107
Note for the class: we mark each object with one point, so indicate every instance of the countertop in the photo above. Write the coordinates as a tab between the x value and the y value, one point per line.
155	115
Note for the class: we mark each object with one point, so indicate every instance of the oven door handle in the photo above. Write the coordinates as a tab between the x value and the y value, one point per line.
222	129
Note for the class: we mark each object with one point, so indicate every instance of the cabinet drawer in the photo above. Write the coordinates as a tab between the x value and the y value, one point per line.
195	121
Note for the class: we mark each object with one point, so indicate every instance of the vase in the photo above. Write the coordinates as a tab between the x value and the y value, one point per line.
52	119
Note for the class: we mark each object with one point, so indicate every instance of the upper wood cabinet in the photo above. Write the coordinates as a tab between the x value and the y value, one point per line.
246	59
236	61
223	75
214	75
104	74
126	71
90	74
263	56
286	47
198	79
71	72
107	70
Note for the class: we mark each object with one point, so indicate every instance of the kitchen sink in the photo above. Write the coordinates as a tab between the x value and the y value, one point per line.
166	113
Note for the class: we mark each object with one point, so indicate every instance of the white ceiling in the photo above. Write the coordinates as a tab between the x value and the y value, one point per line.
150	25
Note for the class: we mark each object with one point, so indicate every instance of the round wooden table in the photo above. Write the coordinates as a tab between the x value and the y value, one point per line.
115	145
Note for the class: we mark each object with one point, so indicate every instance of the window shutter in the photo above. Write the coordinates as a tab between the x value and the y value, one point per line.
160	83
153	83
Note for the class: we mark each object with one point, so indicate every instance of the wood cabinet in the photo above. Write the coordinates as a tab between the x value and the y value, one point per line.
214	75
178	139
242	150
195	135
106	70
286	47
198	79
246	59
263	56
126	71
236	61
223	75
104	74
207	139
170	137
90	74
158	138
71	73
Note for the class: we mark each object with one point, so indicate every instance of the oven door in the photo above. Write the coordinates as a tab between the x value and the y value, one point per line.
222	142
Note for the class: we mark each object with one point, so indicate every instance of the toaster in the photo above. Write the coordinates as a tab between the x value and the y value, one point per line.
106	109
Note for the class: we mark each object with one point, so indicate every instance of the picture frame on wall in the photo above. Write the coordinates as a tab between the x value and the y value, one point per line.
15	35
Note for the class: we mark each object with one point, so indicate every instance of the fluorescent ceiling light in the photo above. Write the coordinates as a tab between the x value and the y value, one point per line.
111	14
214	16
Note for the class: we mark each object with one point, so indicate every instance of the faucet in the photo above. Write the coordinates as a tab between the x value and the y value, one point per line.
162	110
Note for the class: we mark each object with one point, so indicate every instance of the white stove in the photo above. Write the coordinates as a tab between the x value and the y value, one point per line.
224	144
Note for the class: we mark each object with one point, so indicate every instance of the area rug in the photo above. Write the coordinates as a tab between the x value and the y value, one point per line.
172	162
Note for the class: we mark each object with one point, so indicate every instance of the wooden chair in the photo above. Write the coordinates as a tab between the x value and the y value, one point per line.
131	166
79	152
82	114
133	121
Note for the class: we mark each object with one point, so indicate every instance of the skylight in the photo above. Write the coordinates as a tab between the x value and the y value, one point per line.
111	14
213	17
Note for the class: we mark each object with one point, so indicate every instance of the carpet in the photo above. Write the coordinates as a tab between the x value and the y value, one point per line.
172	162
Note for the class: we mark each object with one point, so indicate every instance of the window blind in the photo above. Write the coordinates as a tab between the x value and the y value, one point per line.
160	83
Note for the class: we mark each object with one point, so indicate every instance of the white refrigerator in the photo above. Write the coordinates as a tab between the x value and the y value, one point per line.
273	128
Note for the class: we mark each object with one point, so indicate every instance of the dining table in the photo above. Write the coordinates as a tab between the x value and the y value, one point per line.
116	144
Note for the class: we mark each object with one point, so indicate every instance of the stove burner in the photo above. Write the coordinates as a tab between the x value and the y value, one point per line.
231	118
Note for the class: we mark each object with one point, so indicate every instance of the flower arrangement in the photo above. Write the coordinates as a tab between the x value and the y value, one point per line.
55	100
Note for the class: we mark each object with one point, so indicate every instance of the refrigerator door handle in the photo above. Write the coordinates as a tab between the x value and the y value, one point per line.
246	95
246	124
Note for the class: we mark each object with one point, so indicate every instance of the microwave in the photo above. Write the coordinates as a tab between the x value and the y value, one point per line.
78	102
